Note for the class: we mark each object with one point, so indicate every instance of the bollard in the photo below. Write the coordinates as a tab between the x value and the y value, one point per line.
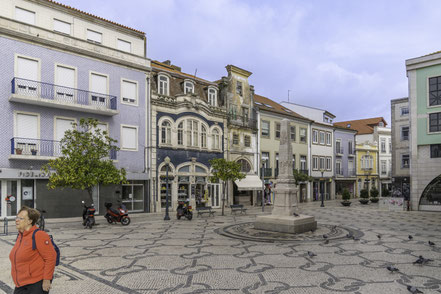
6	226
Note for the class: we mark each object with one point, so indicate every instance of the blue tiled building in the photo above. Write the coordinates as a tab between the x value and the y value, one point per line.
345	160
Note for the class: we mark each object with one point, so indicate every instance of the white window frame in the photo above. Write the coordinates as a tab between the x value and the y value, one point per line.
383	167
322	159
135	103
329	163
192	132
188	87
269	129
401	133
17	56
182	131
56	79
402	111
122	138
338	167
315	164
322	137
315	136
329	138
93	32
204	135
74	120
30	12
62	22
107	88
245	140
167	84
291	133
216	139
16	114
212	97
121	42
300	135
383	145
165	140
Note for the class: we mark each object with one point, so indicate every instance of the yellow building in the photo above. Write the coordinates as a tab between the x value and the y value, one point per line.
367	167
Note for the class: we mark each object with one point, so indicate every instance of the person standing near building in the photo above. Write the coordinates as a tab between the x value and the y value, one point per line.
31	270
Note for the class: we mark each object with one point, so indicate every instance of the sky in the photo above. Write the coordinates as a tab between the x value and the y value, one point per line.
344	56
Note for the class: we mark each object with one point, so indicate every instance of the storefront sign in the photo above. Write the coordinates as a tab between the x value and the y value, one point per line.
27	193
32	174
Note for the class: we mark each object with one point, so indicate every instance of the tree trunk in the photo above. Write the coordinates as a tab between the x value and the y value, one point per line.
90	192
223	198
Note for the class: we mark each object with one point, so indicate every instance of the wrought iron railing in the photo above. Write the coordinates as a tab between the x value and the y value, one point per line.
267	172
351	151
339	172
60	94
41	147
351	172
339	150
242	121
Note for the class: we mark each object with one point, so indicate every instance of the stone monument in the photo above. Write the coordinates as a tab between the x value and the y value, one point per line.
282	218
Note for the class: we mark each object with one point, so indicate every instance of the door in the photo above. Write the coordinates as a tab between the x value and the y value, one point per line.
133	197
215	191
65	84
98	87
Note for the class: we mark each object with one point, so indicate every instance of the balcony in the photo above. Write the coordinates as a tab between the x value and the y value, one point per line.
50	95
351	152
242	121
339	151
267	172
339	172
39	149
351	173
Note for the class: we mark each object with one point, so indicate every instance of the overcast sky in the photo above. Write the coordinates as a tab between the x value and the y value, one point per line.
345	56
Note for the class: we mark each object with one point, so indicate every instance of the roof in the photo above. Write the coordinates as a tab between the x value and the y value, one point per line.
267	104
89	14
311	107
171	69
362	126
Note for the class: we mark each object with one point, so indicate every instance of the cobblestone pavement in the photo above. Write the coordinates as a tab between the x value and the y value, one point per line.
155	256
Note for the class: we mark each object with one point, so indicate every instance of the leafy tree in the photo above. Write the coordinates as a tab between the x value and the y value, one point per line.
364	194
301	177
225	171
85	160
374	192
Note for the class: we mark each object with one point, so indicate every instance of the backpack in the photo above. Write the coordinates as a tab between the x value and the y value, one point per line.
57	250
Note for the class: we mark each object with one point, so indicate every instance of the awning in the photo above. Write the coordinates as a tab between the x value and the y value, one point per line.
249	183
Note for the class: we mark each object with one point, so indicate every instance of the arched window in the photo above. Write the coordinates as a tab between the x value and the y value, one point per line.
165	132
188	87
203	137
212	93
244	165
431	194
163	85
181	133
216	137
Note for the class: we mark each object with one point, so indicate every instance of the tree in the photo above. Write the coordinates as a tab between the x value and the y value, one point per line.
300	177
225	171
85	160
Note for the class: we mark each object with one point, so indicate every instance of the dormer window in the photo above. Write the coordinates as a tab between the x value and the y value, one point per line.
188	87
163	85
381	124
212	94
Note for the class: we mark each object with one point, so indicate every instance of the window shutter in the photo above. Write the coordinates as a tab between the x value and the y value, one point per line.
27	69
61	26
27	126
98	84
129	91
65	77
129	138
62	125
25	15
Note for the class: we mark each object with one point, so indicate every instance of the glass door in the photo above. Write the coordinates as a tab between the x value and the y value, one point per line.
27	193
133	197
215	195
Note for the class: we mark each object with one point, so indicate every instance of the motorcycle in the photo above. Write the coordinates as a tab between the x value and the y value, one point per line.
184	209
117	215
88	215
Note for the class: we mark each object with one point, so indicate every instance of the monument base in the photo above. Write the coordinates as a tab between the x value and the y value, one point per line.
286	224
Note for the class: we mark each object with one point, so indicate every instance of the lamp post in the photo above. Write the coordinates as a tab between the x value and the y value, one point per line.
323	193
263	184
167	165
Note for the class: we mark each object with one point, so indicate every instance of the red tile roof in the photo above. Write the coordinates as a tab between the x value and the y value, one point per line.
362	126
89	14
264	103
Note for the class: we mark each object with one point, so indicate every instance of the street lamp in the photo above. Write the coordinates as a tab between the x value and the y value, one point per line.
263	184
167	165
322	170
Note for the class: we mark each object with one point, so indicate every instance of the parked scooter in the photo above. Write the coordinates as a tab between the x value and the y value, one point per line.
119	215
88	215
184	209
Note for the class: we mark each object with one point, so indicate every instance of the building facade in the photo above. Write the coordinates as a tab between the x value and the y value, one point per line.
59	65
400	133
189	120
382	135
367	166
345	160
424	77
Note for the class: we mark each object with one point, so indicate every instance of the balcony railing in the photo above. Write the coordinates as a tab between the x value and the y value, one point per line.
351	172
351	152
40	148
339	172
63	96
267	172
339	150
242	121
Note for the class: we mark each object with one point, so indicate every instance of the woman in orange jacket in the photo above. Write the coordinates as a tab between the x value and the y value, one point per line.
32	270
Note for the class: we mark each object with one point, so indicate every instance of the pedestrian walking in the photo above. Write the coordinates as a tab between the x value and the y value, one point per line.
31	270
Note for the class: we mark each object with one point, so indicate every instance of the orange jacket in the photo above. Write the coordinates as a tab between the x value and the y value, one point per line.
31	266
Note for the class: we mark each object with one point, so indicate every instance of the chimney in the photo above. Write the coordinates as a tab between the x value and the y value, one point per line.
168	62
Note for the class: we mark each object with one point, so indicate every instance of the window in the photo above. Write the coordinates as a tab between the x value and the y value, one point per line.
404	111
166	132
163	85
435	91
350	148
239	88
322	163
245	114
28	73
383	167
435	151
244	165
315	163
303	165
188	88
94	36
98	87
181	133
26	132
383	145
390	145
405	160
328	138
381	124
338	148
303	135
216	138
293	133
212	93
65	79
277	130
235	139
435	122
265	128
247	140
314	136
203	137
277	163
61	27
367	162
405	133
61	126
322	138
192	133
124	45
129	92
338	169
293	160
328	163
129	138
266	159
24	15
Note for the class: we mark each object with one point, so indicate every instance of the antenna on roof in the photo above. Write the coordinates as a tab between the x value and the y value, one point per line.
195	72
288	94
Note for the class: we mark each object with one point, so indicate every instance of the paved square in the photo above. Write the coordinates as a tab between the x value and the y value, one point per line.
154	256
